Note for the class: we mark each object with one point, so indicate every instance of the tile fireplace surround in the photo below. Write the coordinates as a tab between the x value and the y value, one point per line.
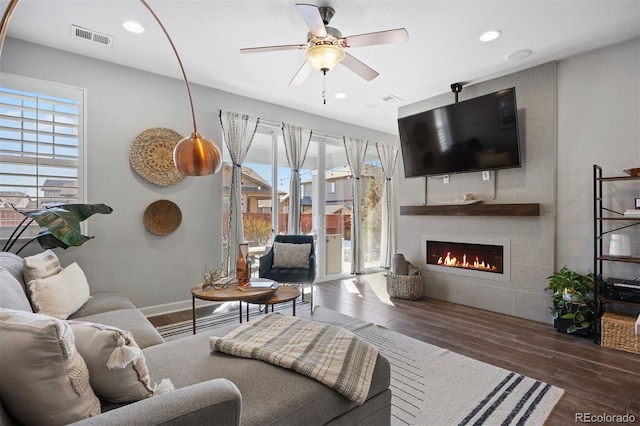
531	238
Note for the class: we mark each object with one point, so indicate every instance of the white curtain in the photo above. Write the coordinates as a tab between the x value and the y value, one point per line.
388	157
356	150
238	131
296	144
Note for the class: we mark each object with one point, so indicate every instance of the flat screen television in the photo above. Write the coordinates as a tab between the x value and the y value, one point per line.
472	135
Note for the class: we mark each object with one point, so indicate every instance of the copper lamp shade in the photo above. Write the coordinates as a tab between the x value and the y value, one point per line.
197	156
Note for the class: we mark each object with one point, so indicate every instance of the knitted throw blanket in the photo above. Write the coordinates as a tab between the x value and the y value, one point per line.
331	355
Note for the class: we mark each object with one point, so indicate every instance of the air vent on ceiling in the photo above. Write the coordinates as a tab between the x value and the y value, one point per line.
87	34
391	98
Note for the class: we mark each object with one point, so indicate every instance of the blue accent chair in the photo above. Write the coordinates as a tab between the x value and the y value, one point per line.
300	276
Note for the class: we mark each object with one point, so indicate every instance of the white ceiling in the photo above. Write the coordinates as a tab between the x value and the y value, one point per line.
443	44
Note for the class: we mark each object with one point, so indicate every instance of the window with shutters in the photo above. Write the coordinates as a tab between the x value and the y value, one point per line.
41	147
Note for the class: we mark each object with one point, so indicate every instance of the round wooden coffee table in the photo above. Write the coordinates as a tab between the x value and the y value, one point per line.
230	294
284	294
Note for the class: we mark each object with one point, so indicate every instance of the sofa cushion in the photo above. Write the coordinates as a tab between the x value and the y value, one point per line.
287	255
298	399
41	265
60	295
14	265
103	301
44	378
117	368
132	320
12	293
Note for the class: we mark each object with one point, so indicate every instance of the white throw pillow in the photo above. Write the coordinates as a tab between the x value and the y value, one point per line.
45	381
117	368
62	294
41	265
286	255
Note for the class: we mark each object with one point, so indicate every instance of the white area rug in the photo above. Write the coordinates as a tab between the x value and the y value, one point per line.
434	386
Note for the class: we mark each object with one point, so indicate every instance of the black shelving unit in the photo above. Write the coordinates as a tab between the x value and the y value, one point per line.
606	221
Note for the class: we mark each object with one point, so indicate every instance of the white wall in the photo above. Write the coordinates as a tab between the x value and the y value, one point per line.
598	123
122	102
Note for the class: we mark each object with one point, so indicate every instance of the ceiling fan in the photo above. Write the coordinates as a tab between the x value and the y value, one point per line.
325	46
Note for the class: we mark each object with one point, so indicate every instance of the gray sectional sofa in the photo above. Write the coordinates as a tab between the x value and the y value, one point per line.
210	387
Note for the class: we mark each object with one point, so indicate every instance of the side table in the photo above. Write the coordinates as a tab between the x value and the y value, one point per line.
231	294
284	294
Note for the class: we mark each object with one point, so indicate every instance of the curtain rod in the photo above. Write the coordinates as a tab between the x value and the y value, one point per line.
278	125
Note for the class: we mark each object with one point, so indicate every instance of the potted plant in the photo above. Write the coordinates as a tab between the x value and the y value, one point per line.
62	223
573	307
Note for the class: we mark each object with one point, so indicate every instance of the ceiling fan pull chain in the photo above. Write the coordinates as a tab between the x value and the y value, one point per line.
324	87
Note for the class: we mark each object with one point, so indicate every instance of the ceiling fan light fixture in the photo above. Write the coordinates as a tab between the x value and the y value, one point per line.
197	156
324	57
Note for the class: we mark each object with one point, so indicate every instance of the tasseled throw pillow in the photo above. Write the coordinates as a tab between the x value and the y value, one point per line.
117	368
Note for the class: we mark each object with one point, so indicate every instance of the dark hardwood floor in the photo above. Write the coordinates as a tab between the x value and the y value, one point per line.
596	380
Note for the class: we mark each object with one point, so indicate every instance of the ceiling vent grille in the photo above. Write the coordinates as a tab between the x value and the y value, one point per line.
87	34
391	98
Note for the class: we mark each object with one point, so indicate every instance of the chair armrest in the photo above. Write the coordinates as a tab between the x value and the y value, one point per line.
216	401
312	268
266	261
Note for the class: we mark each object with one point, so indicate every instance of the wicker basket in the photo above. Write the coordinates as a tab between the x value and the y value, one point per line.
618	332
405	286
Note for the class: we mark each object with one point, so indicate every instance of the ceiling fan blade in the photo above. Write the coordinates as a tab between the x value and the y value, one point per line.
399	35
359	67
302	74
273	48
312	18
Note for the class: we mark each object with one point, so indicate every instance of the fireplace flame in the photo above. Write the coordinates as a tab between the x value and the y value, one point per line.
476	264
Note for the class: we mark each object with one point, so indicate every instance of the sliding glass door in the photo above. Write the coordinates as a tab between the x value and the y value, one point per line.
284	182
326	200
371	180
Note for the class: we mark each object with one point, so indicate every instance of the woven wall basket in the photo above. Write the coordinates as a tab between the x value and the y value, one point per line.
152	156
404	286
162	217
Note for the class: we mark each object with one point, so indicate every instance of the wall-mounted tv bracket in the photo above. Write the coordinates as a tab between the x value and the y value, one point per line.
486	175
456	88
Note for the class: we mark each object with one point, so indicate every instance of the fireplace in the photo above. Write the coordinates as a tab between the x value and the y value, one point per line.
480	257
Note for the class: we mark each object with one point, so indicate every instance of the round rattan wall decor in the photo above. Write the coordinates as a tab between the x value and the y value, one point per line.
162	217
152	156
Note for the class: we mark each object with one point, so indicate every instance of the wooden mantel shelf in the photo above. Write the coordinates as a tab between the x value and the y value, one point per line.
526	209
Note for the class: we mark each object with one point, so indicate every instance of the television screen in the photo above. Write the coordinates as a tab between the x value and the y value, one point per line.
472	135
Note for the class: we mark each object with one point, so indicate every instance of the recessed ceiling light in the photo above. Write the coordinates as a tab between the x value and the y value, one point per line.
519	54
340	95
490	35
133	27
